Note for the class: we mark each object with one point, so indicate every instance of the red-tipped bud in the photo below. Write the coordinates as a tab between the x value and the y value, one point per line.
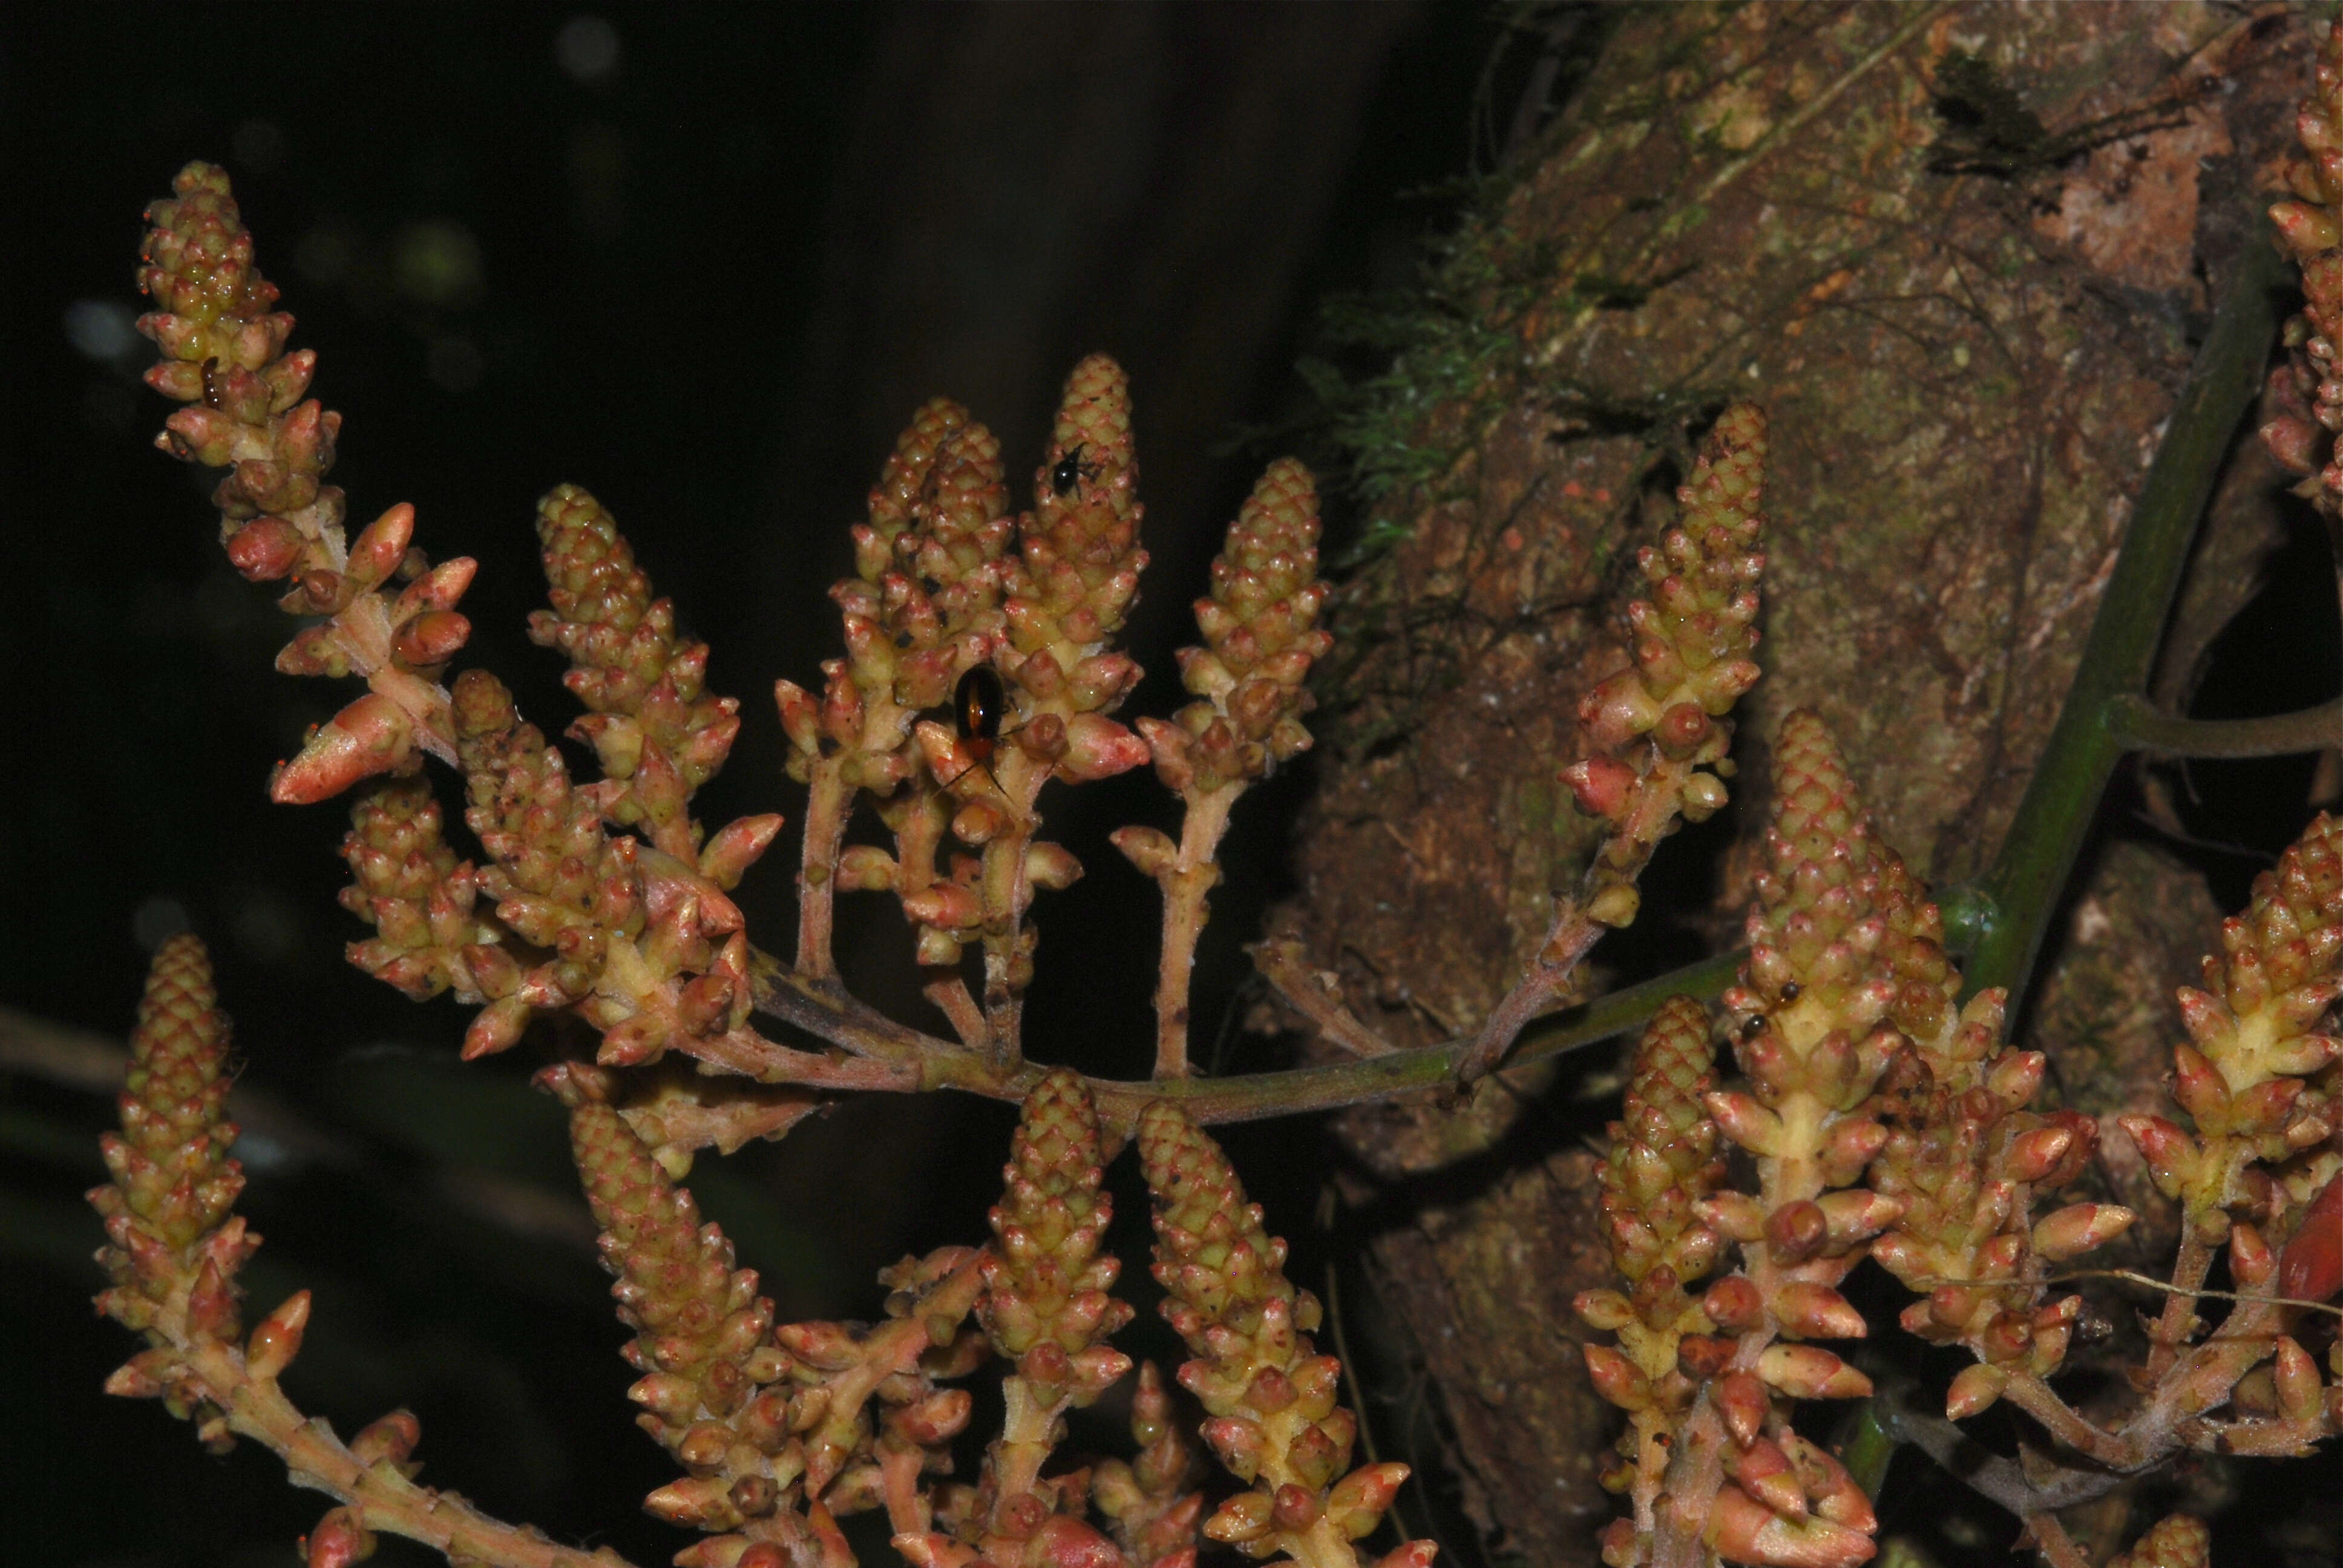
1616	1378
1603	1309
211	1303
1817	1312
1602	785
376	553
432	637
1241	1520
1746	1121
371	736
1294	1509
1052	866
2169	1152
1809	1371
800	715
2078	1228
337	1542
1796	1231
389	1439
1974	1389
1359	1501
1098	748
2034	1155
1150	850
947	904
2299	1395
1741	1401
276	1340
1743	1530
1733	1303
736	847
1765	1472
265	549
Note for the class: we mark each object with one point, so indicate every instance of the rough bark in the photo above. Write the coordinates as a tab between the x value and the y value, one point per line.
1967	370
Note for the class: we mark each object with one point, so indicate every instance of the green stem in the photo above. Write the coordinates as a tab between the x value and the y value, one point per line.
825	1012
2138	726
2053	820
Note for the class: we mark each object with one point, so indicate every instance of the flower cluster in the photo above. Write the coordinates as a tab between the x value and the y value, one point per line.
1875	1114
2307	390
176	1246
389	618
1275	1423
1656	733
1883	1121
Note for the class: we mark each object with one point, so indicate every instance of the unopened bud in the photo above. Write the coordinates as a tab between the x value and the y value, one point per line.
277	1338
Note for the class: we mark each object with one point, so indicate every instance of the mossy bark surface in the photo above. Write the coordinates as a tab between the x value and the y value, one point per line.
1967	331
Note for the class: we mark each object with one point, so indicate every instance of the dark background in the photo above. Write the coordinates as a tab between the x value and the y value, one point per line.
704	260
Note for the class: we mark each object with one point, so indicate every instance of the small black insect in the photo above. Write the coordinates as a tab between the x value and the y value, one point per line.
1070	470
1790	991
980	702
1755	1026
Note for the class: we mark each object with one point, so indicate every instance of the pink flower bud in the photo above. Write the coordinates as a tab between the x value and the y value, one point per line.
1797	1230
144	1375
695	1502
211	1302
1359	1501
2294	442
1735	1215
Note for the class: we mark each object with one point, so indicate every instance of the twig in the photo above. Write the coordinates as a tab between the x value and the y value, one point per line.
2137	725
1309	993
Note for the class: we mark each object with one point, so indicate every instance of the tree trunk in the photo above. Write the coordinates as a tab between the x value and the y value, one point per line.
1958	253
